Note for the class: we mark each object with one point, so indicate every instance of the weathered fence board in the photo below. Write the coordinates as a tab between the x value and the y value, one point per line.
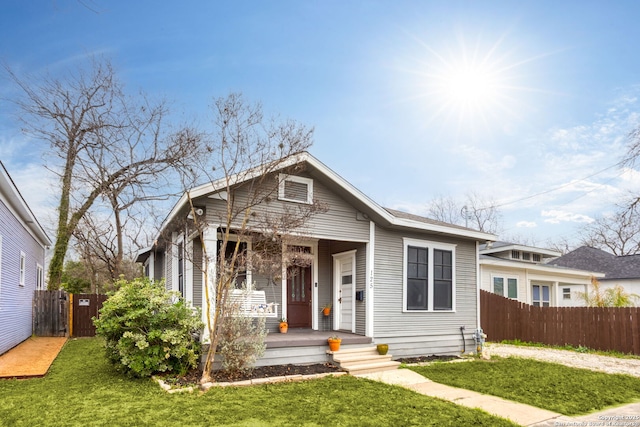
50	313
592	327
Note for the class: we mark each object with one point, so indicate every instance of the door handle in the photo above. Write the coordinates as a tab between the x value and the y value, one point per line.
340	300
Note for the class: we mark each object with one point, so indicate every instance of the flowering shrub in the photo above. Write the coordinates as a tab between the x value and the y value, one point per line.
148	329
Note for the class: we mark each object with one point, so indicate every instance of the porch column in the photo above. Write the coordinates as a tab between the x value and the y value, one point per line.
209	261
370	268
188	271
152	264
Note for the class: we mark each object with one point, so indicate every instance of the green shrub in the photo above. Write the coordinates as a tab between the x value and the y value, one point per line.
148	329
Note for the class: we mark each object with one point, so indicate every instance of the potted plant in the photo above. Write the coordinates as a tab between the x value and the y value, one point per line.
382	349
284	326
326	309
334	342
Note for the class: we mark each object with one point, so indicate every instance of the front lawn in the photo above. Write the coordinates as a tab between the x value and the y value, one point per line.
558	388
82	389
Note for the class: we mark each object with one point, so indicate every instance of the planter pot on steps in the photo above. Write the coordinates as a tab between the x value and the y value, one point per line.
382	349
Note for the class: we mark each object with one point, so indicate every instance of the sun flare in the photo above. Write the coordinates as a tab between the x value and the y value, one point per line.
471	87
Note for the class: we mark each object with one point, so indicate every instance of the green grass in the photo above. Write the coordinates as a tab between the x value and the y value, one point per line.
578	349
558	388
82	389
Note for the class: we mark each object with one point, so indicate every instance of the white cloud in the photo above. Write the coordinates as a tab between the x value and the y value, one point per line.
526	224
558	216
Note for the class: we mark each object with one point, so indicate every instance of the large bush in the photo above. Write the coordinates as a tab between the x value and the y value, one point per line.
148	329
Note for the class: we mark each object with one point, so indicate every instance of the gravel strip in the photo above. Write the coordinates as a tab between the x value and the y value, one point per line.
594	362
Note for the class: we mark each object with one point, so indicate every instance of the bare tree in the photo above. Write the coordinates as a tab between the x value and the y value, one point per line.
248	155
618	233
474	212
102	138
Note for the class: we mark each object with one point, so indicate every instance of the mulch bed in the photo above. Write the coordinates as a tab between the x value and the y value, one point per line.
432	358
193	377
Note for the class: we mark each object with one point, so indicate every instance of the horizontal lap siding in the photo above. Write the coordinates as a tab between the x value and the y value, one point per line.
432	330
16	301
338	222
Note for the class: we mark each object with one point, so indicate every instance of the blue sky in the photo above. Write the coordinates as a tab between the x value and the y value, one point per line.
527	103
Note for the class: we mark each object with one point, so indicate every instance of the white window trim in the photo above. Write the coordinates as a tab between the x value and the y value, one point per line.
308	181
176	241
430	246
506	278
541	301
23	268
39	277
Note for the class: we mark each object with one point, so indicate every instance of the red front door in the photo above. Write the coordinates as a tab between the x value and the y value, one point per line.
299	296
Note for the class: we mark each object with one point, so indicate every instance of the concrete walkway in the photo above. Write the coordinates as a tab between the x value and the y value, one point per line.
31	358
520	413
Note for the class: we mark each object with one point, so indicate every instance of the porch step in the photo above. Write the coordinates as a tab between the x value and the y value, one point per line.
363	360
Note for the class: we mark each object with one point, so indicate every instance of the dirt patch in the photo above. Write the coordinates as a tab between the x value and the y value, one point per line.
193	377
432	358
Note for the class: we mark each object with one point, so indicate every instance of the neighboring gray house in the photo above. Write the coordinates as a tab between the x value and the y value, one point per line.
618	270
524	273
391	277
22	250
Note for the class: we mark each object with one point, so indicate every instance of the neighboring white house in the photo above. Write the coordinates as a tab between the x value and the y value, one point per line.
22	251
618	270
391	277
522	273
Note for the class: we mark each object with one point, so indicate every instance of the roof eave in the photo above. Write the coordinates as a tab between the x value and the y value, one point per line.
540	267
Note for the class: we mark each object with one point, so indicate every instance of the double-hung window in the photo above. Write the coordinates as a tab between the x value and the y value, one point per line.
429	276
505	286
541	296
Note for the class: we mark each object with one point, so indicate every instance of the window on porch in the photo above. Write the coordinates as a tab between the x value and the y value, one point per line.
240	278
541	296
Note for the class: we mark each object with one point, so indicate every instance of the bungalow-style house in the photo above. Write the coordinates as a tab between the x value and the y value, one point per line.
22	251
523	273
618	270
391	277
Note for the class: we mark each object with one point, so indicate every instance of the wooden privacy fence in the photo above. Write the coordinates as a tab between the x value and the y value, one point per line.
50	313
592	327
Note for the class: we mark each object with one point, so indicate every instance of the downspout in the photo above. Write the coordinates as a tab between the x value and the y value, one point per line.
478	278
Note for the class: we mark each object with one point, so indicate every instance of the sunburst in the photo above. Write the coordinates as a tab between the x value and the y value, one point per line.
472	88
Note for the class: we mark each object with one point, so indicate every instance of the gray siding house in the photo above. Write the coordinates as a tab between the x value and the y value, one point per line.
391	277
22	251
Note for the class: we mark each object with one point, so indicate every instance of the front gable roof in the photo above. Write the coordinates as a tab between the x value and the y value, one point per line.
11	196
360	201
